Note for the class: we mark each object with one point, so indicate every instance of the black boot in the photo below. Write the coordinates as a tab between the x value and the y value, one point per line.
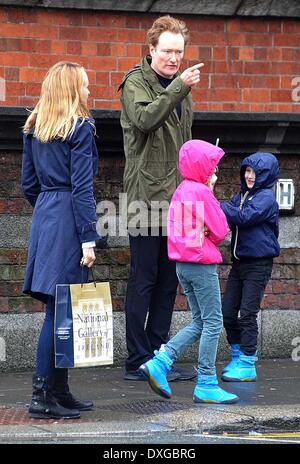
44	406
63	395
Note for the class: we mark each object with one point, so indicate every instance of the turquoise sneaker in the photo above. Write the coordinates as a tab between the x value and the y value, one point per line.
235	353
207	390
244	370
156	370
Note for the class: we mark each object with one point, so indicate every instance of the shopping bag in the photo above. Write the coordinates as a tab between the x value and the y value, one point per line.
83	325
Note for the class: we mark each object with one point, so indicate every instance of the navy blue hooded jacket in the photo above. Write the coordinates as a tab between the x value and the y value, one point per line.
254	222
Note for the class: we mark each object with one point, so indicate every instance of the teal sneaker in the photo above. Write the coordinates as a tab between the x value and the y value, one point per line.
207	390
243	371
156	370
235	353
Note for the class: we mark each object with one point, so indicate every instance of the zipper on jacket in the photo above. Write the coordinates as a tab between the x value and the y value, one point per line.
243	199
235	241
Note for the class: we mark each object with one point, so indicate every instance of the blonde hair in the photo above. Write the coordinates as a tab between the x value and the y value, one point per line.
60	104
166	23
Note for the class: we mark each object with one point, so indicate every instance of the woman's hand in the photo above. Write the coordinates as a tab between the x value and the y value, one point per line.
88	257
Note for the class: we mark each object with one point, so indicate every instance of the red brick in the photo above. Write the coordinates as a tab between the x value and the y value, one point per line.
75	18
291	27
132	22
73	48
106	35
32	74
134	50
275	25
21	15
260	53
12	74
89	49
72	33
15	88
224	81
14	59
286	40
288	54
104	49
58	47
116	78
3	15
257	68
246	53
130	36
192	53
98	63
102	78
255	95
219	53
33	89
292	69
111	20
281	96
246	25
125	64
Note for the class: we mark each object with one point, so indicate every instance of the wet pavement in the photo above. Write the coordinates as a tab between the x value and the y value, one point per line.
130	410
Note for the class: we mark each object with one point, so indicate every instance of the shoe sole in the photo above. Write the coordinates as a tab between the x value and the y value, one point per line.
232	379
198	400
155	387
134	379
47	416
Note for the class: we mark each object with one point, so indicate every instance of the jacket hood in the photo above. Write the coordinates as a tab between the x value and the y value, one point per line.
198	160
266	168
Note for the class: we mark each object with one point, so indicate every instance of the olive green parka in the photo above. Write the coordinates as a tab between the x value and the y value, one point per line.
153	135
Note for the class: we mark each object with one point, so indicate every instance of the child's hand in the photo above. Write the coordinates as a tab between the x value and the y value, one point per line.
212	181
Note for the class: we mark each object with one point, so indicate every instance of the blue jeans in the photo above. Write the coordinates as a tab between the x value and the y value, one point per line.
201	286
45	350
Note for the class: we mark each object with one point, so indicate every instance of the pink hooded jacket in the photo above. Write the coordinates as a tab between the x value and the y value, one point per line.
194	206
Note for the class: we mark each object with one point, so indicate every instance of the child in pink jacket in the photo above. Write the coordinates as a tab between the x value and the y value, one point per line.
196	226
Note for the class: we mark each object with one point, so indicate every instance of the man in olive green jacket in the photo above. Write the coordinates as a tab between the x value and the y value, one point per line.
156	120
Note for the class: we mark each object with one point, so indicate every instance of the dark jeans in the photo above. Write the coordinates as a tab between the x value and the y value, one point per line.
151	290
246	283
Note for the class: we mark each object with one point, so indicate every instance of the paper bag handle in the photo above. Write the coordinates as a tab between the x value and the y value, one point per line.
82	266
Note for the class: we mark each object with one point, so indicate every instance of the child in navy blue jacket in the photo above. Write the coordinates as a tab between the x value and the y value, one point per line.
253	217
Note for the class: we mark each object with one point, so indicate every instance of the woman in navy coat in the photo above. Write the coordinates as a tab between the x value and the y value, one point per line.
59	161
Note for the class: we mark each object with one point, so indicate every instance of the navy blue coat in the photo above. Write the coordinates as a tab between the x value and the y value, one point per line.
57	180
255	225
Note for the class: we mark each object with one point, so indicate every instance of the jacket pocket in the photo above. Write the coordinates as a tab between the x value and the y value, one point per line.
154	187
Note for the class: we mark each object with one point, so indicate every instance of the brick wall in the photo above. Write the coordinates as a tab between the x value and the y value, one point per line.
249	63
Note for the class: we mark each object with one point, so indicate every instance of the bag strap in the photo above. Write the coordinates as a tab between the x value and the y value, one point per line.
89	268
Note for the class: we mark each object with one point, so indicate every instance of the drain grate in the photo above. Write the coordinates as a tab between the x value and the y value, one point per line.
146	407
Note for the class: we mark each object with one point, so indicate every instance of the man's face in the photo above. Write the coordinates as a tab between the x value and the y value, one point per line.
168	54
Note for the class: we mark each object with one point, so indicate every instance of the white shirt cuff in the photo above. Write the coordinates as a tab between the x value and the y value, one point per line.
88	244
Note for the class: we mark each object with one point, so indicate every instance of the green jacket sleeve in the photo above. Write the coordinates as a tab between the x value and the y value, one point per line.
148	115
